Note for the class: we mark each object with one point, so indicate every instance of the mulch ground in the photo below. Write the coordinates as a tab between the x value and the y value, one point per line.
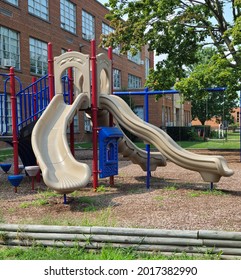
177	199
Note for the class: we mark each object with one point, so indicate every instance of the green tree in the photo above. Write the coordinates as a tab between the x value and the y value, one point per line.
211	71
180	30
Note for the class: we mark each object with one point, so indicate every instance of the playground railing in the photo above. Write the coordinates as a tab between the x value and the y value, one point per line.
32	101
5	105
3	114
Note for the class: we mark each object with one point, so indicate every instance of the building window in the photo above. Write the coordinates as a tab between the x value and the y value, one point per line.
14	2
87	123
238	117
116	79
139	110
147	67
38	57
134	81
135	58
88	26
39	8
68	16
106	29
6	123
9	48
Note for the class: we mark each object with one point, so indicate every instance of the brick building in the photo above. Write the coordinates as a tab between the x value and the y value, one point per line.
27	26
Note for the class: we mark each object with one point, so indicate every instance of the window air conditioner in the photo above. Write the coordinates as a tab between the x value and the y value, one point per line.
7	62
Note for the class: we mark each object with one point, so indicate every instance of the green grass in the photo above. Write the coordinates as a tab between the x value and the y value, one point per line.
207	192
212	144
232	142
6	153
87	145
77	253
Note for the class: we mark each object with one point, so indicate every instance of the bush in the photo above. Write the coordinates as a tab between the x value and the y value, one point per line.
181	133
187	133
203	130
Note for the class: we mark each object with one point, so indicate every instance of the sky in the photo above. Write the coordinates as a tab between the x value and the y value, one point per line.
102	1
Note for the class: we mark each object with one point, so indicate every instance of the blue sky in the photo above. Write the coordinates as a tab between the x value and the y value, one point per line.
103	1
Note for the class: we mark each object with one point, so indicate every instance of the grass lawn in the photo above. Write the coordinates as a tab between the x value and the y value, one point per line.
5	154
231	142
76	253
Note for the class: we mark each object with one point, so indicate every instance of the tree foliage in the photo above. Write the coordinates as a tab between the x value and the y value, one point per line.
183	32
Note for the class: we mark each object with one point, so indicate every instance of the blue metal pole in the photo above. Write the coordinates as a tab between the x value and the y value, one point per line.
146	117
153	92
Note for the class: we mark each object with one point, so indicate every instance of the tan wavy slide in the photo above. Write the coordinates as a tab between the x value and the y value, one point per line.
211	168
60	170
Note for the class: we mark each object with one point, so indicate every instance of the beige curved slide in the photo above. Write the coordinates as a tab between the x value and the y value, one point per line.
211	168
138	156
60	170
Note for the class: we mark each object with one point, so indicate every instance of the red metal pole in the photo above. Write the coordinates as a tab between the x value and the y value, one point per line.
71	99
34	91
14	121
51	71
110	56
94	111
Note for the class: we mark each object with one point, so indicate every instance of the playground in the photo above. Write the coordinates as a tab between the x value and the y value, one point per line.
115	184
178	199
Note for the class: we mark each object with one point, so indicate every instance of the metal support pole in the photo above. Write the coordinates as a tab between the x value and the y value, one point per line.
14	121
50	71
110	56
94	111
34	91
71	99
146	109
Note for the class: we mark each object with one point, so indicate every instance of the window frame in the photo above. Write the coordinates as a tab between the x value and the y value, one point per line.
88	33
65	20
116	77
15	56
11	2
43	47
37	12
133	80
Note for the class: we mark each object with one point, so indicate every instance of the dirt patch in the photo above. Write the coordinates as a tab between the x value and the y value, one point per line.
177	199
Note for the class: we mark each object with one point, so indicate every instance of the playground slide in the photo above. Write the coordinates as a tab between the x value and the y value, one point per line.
211	168
129	150
138	156
60	170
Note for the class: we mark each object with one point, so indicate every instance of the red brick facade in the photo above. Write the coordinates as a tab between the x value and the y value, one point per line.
28	25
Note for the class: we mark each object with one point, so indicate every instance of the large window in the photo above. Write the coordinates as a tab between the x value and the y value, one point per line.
139	110
39	8
135	58
88	26
6	120
9	48
14	2
147	67
38	56
134	81
106	29
116	79
68	16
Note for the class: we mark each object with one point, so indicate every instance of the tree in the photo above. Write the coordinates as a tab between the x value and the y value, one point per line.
179	29
211	71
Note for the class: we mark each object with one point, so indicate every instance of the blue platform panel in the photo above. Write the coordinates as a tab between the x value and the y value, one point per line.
108	151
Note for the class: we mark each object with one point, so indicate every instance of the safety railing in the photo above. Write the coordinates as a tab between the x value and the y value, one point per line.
32	101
